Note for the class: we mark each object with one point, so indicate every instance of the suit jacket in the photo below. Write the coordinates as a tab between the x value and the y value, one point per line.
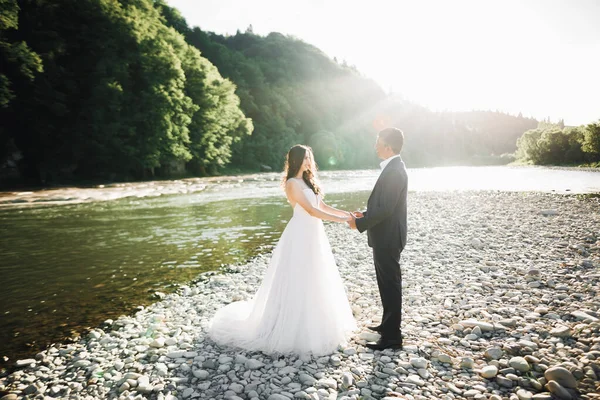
385	218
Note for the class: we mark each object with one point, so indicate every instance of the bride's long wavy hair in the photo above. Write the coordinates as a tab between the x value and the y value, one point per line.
293	162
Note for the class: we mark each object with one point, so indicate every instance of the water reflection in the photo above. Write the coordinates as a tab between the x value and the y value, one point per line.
514	179
70	267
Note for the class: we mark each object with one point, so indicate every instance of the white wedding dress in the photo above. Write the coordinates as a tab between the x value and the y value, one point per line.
301	306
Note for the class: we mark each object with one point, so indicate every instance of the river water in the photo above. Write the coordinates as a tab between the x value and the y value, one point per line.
72	258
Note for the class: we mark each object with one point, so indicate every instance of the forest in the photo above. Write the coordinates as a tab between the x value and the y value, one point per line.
555	144
107	90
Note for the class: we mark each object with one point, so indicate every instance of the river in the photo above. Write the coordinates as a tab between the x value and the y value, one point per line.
74	257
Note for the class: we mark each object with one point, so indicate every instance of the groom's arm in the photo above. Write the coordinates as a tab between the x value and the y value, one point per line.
390	197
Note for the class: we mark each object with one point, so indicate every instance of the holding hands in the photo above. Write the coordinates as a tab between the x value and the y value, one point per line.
346	216
352	220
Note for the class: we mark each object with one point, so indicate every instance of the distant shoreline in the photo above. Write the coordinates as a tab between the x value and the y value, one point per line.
59	195
56	195
582	167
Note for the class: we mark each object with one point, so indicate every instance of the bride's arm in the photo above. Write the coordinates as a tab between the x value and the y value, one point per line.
332	210
294	193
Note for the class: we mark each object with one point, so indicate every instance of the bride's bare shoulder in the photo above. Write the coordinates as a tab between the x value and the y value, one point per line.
293	183
290	185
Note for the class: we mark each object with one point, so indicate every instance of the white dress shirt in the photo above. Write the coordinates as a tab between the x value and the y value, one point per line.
385	162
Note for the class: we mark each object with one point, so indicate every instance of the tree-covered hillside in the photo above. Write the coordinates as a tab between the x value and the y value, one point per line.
120	90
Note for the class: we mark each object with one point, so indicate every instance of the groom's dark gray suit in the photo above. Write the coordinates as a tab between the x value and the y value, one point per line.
385	223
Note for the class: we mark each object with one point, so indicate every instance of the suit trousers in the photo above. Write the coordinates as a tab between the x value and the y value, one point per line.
389	281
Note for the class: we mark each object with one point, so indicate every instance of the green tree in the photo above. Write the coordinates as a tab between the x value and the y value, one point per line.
19	64
528	148
291	91
591	141
119	94
17	59
553	146
575	153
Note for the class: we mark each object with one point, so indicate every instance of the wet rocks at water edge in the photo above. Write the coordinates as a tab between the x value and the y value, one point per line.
500	302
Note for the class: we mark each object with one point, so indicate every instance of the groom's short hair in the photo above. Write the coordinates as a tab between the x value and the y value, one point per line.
394	138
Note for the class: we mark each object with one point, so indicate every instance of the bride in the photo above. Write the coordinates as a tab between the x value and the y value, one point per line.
301	306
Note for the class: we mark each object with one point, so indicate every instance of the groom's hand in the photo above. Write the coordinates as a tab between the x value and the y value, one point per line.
352	222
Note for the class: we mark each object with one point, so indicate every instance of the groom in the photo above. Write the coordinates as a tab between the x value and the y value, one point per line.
385	223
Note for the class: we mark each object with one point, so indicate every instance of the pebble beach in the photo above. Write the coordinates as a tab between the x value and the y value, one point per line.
501	300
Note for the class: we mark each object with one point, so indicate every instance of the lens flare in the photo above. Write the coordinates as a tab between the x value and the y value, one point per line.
381	122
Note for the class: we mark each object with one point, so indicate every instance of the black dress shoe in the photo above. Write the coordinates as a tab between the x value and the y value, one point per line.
375	328
383	344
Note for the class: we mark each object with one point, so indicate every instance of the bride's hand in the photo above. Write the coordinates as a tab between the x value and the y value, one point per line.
349	216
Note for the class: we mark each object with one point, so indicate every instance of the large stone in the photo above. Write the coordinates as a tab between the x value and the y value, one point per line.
418	362
583	316
347	379
484	326
520	364
494	353
25	363
523	394
369	336
467	362
31	389
557	390
306	379
529	344
328	382
236	387
445	358
176	354
415	379
82	363
561	331
453	388
505	382
240	359
132	375
489	371
144	388
158	342
287	370
254	364
201	374
510	322
562	376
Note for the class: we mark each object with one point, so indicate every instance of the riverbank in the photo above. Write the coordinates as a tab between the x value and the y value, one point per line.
499	289
113	191
594	166
557	179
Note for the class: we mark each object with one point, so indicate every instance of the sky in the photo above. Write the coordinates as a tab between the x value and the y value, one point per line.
537	57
